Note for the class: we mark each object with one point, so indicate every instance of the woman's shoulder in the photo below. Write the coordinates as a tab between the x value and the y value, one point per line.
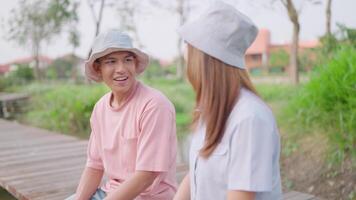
251	115
251	106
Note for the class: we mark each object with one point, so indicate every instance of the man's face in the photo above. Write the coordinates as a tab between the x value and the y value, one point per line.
118	70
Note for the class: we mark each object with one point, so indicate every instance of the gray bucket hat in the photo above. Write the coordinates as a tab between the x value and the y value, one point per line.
109	42
221	32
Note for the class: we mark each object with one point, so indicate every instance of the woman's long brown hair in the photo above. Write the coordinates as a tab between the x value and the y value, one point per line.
217	86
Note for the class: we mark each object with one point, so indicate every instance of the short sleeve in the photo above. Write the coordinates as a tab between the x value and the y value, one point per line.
250	165
93	152
156	147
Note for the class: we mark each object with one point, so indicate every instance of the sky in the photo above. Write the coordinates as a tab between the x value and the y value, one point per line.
157	29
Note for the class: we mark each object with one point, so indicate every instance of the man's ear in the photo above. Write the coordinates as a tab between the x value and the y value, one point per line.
96	67
136	65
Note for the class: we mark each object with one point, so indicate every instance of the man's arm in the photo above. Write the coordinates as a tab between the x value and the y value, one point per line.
88	184
240	195
132	187
183	192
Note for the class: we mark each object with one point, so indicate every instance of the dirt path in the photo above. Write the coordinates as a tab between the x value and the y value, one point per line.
307	170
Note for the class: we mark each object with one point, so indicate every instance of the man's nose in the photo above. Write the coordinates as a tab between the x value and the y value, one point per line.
119	67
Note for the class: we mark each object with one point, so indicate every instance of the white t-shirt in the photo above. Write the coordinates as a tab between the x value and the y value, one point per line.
247	158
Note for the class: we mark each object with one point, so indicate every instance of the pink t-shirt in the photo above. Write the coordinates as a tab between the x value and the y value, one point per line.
140	135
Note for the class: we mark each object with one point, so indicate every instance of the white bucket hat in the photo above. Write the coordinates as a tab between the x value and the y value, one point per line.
109	42
221	32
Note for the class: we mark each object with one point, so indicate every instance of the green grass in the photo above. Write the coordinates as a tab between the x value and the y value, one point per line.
64	108
328	102
4	195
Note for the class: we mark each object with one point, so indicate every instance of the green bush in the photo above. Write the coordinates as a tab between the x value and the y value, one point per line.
3	83
64	108
276	92
62	68
154	70
328	101
279	58
22	75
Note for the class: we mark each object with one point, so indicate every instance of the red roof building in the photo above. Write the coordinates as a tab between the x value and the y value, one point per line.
258	53
44	61
4	69
257	56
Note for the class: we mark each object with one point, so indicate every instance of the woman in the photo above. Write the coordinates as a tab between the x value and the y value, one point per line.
235	147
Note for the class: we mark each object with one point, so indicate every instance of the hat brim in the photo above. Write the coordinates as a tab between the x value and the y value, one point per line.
91	73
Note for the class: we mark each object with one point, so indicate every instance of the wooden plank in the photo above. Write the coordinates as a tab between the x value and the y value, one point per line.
68	144
13	191
37	173
51	152
44	158
43	181
34	167
62	189
14	129
58	195
18	193
35	142
16	132
54	184
12	96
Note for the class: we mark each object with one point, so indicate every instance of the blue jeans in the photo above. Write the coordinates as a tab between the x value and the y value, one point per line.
98	195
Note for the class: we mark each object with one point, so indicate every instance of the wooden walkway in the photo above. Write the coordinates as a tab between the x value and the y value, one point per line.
37	164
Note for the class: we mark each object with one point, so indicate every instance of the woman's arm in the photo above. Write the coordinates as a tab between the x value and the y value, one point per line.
135	185
240	195
183	192
88	184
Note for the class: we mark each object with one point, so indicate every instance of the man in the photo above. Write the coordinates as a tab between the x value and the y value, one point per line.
133	138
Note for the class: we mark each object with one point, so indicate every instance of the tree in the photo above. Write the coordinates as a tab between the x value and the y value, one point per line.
182	9
96	17
74	39
329	41
35	22
127	11
293	15
328	17
294	18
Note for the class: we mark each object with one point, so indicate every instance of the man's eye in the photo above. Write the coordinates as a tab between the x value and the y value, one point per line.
129	59
109	62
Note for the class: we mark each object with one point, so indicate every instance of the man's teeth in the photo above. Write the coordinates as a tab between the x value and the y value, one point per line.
120	79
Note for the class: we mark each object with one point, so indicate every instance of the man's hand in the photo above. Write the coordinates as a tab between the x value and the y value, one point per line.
88	184
135	185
